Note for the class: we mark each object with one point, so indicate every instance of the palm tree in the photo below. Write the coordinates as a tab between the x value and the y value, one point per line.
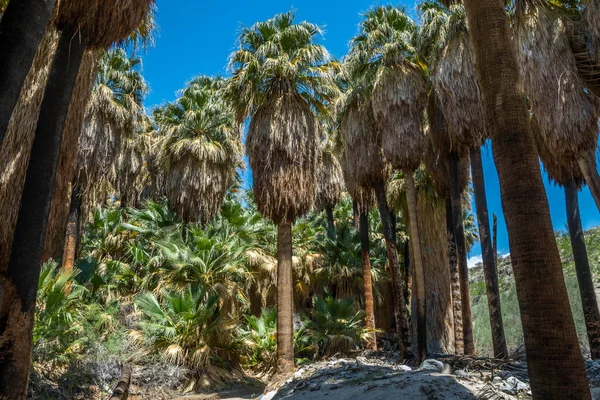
330	184
97	26
438	166
362	200
201	149
398	101
114	109
365	173
444	39
548	326
571	179
279	81
22	27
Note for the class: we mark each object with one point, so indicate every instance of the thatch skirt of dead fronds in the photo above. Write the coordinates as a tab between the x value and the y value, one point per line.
566	113
559	171
399	99
329	178
199	173
16	146
363	156
102	22
282	146
362	195
458	93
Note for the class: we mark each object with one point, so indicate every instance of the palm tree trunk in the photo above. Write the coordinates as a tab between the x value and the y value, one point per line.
407	278
489	263
399	305
72	234
21	30
590	173
459	345
330	223
554	359
367	280
285	299
495	241
411	200
20	287
461	251
584	275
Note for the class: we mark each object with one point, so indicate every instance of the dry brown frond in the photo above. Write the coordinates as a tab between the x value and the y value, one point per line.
459	97
329	178
101	22
282	147
399	98
363	157
559	171
566	113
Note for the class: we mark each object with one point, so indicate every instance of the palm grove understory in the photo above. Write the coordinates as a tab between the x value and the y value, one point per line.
358	223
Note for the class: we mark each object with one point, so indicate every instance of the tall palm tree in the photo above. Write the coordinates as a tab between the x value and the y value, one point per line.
201	150
22	29
548	326
365	174
438	166
82	25
362	200
398	101
444	39
279	81
330	184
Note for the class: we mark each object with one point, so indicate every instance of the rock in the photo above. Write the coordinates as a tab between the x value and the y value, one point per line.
497	380
268	396
403	367
517	384
314	387
462	374
298	374
432	365
504	374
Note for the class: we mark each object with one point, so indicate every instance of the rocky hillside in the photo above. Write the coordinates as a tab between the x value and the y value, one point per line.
510	309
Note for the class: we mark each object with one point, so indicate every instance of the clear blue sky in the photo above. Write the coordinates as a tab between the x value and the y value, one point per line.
195	37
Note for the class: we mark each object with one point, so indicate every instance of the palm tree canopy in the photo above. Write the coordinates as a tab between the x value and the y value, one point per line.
201	149
443	40
330	179
387	43
114	111
280	80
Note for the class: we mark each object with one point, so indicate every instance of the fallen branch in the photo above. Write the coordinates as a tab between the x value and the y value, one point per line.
121	391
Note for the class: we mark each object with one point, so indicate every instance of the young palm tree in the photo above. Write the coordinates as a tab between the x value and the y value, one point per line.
92	25
548	326
201	150
398	101
279	81
330	184
22	29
